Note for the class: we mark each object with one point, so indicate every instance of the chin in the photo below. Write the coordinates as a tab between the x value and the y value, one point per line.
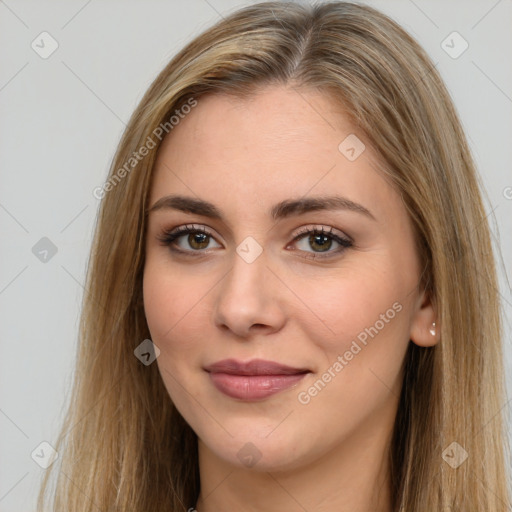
260	452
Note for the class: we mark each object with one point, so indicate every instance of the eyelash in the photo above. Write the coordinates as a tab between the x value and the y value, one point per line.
168	237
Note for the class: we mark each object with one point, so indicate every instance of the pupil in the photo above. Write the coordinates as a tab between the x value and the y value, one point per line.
198	239
322	245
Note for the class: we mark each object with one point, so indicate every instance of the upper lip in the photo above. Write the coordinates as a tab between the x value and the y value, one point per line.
253	367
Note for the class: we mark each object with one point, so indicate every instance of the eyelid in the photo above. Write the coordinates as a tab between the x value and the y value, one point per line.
344	241
321	228
166	234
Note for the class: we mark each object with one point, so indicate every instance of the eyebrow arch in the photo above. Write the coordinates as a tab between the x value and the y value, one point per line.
281	210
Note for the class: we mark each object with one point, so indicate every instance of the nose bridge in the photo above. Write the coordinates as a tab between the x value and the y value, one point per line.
245	282
247	295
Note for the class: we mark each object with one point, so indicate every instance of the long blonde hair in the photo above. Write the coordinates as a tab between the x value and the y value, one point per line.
123	445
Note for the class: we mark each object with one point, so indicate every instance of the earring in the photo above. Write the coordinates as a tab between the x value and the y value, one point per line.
433	329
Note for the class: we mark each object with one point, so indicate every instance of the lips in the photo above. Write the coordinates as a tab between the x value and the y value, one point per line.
253	367
255	379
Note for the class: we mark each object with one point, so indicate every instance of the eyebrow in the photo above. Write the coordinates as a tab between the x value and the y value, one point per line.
281	210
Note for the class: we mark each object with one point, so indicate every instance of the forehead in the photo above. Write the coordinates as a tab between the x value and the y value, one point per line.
275	118
278	143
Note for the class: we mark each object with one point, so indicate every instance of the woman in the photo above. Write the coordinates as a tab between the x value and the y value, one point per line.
291	295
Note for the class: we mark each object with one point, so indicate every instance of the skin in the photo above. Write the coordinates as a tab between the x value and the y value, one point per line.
245	156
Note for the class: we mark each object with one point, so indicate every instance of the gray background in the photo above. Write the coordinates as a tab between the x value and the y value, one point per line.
61	119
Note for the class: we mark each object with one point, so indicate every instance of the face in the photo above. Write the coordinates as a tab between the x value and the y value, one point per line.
307	306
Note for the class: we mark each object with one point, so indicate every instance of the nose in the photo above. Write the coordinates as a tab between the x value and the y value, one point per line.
249	299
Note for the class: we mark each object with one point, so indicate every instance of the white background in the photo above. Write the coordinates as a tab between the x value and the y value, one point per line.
61	119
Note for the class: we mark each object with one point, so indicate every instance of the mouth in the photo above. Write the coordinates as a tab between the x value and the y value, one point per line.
253	380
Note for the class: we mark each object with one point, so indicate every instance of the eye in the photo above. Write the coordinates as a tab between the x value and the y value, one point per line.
197	239
321	241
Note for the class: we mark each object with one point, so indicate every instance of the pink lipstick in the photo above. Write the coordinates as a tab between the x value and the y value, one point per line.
253	380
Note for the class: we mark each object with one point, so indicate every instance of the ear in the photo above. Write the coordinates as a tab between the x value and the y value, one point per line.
425	328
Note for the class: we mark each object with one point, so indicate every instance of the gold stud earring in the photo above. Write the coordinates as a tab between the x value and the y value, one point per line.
433	329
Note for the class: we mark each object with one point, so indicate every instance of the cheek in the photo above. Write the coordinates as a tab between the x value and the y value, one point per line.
178	316
361	327
169	300
344	308
170	297
363	341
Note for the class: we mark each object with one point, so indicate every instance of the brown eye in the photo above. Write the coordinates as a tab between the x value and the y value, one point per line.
321	241
186	239
201	239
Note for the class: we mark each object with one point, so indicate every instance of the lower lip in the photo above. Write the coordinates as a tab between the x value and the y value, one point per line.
253	387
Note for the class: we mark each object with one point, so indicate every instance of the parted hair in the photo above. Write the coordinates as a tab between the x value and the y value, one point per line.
123	445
